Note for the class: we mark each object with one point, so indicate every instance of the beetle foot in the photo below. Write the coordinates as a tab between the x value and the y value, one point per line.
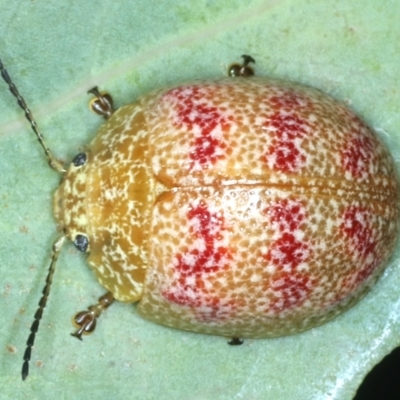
102	104
243	69
86	320
235	341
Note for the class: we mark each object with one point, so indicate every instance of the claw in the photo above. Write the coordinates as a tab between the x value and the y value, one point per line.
86	320
102	103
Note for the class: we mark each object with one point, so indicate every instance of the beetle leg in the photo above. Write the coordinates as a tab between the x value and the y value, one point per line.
86	320
243	69
102	103
235	341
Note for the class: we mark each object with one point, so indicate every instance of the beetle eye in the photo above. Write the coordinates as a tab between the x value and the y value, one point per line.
81	242
79	159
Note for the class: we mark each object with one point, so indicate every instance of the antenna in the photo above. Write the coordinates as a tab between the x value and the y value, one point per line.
53	162
57	166
42	304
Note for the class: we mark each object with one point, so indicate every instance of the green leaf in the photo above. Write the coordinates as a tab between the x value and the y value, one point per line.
55	51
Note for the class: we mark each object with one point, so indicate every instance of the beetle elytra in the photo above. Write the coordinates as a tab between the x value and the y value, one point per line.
243	207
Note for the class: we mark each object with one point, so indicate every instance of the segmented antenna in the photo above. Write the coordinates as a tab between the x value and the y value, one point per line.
42	304
53	162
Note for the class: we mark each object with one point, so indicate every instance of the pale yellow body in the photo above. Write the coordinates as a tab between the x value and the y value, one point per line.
244	207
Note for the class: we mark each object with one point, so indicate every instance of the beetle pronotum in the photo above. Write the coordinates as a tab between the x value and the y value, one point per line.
241	207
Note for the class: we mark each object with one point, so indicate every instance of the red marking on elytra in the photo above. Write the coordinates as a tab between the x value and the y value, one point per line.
209	259
207	122
361	241
289	100
357	226
284	153
207	226
288	214
206	307
196	265
358	155
186	292
288	126
361	246
286	156
294	290
288	252
290	286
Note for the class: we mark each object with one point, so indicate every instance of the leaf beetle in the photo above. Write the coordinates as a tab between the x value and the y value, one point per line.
243	207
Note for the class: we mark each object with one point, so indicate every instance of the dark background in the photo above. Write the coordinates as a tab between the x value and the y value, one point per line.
383	382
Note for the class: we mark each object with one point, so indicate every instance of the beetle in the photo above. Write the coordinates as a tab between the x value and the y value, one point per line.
243	207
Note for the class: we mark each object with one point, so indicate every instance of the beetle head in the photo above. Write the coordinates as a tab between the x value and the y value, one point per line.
70	205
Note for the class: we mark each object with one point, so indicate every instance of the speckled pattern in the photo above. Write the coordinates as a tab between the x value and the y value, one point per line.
242	207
